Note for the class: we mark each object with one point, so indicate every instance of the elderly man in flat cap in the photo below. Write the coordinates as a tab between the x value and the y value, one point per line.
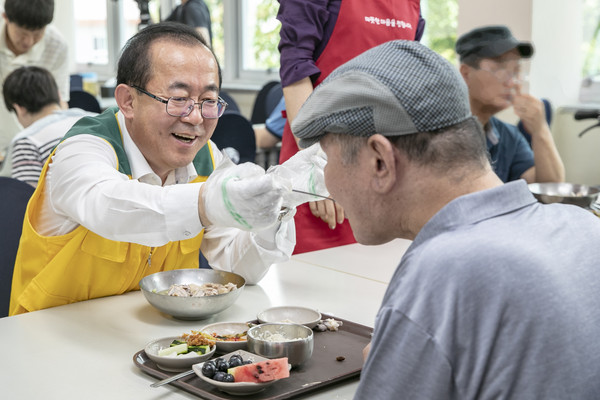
497	296
490	59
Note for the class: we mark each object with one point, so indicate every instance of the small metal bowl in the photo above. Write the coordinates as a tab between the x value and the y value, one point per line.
294	341
190	308
227	345
565	193
290	314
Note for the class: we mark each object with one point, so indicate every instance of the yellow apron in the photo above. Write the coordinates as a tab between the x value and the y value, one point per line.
57	270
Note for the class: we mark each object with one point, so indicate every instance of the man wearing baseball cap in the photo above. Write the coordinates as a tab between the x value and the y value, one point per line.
490	58
491	300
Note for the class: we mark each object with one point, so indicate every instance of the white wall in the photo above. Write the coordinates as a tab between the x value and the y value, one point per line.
557	32
516	14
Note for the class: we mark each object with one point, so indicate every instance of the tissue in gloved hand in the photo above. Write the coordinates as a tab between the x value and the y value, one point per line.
242	196
304	172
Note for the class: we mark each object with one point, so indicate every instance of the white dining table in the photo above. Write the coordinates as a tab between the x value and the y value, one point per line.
85	350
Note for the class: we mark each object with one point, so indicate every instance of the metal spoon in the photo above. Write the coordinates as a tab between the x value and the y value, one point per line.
172	378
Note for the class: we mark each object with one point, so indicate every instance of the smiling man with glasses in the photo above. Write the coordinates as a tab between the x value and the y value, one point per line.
141	188
490	63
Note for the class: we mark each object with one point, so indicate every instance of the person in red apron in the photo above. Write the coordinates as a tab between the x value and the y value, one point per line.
316	38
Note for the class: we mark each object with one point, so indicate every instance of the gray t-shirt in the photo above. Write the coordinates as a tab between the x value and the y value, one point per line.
498	297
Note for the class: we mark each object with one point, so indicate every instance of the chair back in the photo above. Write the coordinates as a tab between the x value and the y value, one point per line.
266	101
76	82
84	100
235	136
232	105
13	201
273	96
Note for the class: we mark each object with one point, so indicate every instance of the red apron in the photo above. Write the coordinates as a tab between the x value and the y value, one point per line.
360	26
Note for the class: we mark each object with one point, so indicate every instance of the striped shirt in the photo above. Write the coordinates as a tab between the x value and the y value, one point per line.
31	147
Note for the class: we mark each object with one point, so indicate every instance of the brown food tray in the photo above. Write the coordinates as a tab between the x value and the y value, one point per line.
320	371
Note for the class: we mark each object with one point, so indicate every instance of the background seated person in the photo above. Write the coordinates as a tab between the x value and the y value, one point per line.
485	300
27	37
269	133
31	92
490	65
140	189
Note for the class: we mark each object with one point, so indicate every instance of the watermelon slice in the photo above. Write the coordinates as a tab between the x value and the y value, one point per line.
262	371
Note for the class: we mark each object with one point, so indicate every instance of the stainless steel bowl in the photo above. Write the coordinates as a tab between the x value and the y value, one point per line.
190	308
297	344
290	314
566	193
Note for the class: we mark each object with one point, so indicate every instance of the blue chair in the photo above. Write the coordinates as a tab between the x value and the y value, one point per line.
548	110
76	82
232	105
84	100
14	197
235	136
274	95
266	100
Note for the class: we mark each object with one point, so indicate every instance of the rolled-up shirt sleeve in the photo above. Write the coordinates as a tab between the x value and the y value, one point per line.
302	30
85	188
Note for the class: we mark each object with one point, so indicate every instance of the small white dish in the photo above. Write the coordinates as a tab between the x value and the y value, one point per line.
235	388
222	329
290	314
174	363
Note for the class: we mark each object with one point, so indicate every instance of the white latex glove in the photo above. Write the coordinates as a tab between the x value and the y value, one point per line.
303	171
242	196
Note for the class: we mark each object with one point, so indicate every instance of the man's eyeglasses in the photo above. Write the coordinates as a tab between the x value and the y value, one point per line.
183	106
505	72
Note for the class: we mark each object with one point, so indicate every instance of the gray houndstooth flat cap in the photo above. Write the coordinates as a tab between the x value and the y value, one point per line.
397	88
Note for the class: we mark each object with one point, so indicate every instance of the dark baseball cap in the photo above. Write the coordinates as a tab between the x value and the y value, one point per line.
490	42
397	88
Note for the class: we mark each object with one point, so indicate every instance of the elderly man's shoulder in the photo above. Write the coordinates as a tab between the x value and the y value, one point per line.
534	236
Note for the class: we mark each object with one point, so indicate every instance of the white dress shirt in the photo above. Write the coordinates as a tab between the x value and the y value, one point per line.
84	187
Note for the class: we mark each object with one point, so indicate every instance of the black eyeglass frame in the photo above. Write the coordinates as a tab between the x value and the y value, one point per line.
200	104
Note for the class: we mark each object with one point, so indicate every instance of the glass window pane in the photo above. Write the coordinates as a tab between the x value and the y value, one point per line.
260	35
216	21
441	21
91	42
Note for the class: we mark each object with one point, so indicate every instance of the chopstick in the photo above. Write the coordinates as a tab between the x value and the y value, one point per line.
313	194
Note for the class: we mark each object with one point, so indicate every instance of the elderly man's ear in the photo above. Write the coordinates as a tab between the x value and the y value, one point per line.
125	99
384	163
